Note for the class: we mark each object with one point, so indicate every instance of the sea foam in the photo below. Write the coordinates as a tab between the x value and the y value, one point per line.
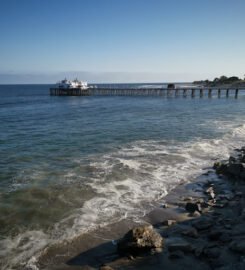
125	181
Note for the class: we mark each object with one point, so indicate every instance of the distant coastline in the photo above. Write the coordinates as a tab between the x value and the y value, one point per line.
222	81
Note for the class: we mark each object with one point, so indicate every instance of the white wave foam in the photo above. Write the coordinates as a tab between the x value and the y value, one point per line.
22	248
125	182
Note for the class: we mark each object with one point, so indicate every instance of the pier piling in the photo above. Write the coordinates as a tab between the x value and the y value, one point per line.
210	93
219	93
227	93
108	91
192	93
201	92
236	93
184	92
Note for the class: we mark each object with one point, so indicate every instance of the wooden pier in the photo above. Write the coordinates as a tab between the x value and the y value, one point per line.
69	92
176	92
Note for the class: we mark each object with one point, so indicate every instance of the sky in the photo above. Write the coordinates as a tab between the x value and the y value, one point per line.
42	41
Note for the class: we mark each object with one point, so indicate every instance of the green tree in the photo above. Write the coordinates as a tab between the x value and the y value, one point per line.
223	78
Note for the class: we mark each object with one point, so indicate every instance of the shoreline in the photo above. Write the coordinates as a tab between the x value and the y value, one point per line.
169	218
56	255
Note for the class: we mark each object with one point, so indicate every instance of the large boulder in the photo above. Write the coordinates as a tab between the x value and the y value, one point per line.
221	167
234	168
140	239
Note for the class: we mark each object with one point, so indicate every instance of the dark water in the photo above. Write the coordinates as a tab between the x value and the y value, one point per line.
68	164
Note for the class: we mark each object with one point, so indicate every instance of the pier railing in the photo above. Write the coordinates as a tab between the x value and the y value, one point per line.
184	92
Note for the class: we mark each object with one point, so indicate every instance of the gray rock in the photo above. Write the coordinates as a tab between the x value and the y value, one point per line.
228	197
169	222
142	238
214	235
84	267
220	204
228	226
235	169
192	207
196	214
238	194
106	267
210	193
188	199
198	251
242	175
232	159
221	167
238	246
176	255
233	266
216	263
212	252
191	232
225	237
179	245
165	205
203	223
242	214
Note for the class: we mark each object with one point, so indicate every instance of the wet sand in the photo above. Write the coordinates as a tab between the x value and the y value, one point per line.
222	207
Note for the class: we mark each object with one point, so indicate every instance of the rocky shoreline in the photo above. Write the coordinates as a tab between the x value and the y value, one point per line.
200	225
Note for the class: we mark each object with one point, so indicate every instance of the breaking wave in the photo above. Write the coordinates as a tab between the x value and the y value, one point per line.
125	182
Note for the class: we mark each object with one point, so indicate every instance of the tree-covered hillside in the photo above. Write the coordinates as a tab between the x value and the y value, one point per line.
223	80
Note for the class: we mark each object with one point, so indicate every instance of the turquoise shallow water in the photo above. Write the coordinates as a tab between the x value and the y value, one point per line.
68	164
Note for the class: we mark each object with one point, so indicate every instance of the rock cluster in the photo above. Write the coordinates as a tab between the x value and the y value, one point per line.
234	168
217	237
213	234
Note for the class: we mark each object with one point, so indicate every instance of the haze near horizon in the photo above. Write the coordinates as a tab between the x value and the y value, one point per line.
121	41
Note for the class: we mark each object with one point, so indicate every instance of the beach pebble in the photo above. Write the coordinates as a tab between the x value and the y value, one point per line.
169	222
209	191
196	214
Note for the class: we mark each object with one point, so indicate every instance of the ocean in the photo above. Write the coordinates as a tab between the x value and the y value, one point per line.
71	164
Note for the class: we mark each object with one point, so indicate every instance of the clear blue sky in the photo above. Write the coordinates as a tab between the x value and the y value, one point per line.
121	40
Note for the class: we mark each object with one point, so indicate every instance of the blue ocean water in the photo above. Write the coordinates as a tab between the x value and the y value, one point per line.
68	164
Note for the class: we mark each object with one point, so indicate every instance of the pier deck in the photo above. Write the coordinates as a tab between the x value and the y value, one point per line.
193	92
68	92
